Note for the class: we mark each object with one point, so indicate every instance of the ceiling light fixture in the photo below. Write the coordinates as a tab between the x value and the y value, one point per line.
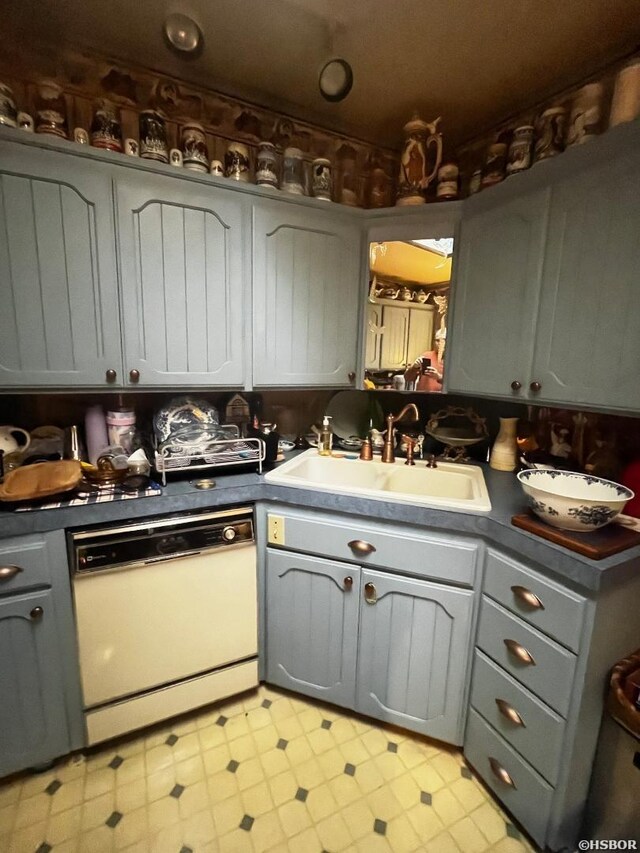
182	33
335	80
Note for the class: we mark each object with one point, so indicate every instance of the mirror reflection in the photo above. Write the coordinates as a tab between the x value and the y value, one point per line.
406	314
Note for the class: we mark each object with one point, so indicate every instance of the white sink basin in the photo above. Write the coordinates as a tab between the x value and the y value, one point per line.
449	486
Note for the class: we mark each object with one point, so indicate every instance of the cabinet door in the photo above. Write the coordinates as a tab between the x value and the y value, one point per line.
32	707
495	295
413	654
395	338
181	256
375	330
588	338
420	333
59	323
305	288
312	626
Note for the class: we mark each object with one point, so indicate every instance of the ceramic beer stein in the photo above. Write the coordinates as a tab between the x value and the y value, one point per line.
194	148
625	105
379	188
176	158
8	108
293	171
25	122
132	147
519	157
447	182
414	171
237	163
550	133
51	109
495	165
81	136
216	168
584	123
105	127
321	181
153	136
266	165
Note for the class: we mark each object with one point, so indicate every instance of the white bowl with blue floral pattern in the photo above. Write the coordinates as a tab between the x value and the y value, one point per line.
573	501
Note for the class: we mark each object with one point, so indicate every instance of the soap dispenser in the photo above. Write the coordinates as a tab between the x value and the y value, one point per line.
326	437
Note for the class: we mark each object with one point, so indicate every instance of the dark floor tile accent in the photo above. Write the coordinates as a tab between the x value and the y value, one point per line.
392	747
267	703
512	832
44	848
326	724
116	761
172	740
466	773
52	787
380	826
246	823
222	720
425	798
233	765
350	769
282	743
114	819
177	791
302	794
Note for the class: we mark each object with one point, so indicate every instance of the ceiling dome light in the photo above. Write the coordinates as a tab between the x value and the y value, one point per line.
182	33
335	80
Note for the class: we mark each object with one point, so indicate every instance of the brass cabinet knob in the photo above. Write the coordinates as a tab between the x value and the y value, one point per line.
527	597
500	773
348	583
359	546
370	593
351	375
111	375
520	652
134	376
535	386
37	613
8	572
510	713
516	385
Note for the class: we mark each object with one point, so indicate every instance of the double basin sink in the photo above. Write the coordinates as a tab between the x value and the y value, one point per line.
449	486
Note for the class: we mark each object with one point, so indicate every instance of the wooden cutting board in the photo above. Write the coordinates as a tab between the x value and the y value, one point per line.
596	545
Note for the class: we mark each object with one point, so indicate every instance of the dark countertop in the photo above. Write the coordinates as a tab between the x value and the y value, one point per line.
241	488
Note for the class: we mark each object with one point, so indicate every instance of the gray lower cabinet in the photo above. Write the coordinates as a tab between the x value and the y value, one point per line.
182	281
59	324
40	706
306	288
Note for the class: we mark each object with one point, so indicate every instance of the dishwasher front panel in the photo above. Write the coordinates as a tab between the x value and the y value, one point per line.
155	624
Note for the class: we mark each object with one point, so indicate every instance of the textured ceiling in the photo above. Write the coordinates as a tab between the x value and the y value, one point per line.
472	61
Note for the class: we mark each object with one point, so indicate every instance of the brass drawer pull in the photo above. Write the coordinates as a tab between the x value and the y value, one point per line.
370	593
8	572
520	652
500	773
348	583
359	546
527	597
510	713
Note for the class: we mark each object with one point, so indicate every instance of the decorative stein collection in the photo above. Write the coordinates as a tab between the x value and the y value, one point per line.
105	127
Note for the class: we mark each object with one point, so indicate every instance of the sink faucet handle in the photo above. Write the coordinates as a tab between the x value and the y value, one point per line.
431	461
411	443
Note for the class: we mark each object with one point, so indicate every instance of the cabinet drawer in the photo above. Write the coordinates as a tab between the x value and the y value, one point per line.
421	554
549	675
529	798
559	613
539	737
23	564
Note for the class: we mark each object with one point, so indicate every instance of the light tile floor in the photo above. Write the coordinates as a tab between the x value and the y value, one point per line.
267	772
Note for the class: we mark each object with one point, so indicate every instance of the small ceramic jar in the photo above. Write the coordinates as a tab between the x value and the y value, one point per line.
131	147
520	149
51	109
8	108
81	136
321	180
267	165
236	162
25	122
105	127
495	165
194	148
176	158
293	171
550	133
216	168
447	182
625	105
584	123
153	136
379	190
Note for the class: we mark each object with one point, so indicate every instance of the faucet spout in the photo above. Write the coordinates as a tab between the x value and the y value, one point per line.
387	451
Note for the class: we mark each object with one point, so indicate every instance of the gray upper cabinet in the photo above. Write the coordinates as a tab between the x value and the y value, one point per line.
59	324
182	279
495	291
588	338
306	285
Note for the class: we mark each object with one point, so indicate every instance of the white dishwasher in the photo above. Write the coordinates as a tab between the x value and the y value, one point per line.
166	617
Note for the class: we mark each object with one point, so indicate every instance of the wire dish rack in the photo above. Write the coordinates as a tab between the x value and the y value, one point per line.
179	455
